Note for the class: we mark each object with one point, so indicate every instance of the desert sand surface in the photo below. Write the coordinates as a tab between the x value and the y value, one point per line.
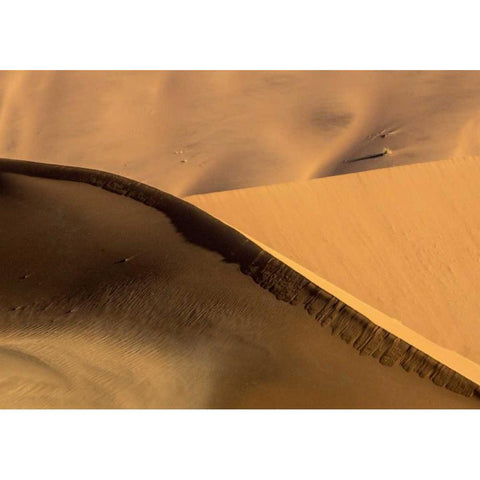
197	132
447	357
355	222
404	240
143	300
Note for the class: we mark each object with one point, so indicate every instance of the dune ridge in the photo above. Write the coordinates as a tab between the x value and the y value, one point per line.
351	326
404	240
269	272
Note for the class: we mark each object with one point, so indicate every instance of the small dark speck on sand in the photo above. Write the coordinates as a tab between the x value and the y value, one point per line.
24	277
125	260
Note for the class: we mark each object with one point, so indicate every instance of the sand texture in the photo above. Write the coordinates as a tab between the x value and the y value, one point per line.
239	239
124	296
404	240
198	132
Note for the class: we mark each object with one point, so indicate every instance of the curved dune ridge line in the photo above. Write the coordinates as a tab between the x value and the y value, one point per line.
404	240
448	357
99	292
198	132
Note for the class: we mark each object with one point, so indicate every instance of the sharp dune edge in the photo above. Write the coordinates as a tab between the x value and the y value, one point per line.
273	275
403	240
450	358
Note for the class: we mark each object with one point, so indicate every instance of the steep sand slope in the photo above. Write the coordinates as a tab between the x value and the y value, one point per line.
404	240
107	302
196	132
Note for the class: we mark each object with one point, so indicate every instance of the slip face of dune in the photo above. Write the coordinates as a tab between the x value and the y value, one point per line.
197	132
403	240
108	302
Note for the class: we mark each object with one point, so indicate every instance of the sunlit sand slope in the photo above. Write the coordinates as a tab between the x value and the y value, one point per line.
197	132
404	240
142	300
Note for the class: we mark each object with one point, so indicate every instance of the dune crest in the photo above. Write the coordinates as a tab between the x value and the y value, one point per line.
206	232
404	240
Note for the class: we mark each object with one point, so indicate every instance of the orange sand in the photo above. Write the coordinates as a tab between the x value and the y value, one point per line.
405	240
174	326
197	132
398	244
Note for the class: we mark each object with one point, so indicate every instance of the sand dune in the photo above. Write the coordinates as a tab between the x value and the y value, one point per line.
198	132
111	303
404	240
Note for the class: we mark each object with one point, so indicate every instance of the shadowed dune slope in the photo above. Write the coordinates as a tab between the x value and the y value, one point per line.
198	132
404	240
108	302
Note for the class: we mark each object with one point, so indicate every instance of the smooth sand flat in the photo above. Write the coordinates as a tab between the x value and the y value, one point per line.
107	302
198	132
404	240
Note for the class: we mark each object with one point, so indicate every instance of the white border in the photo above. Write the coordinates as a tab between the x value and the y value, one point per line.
239	445
247	34
239	35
